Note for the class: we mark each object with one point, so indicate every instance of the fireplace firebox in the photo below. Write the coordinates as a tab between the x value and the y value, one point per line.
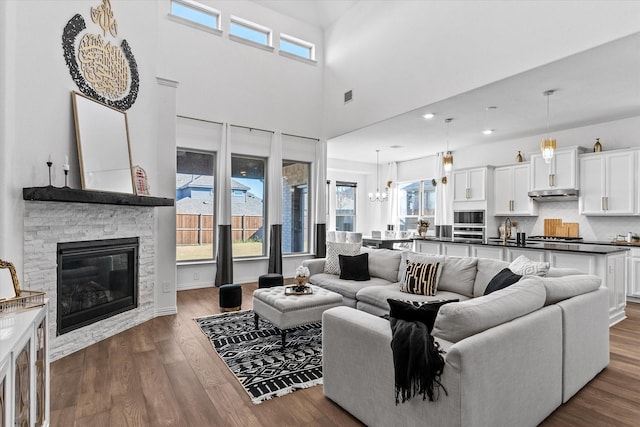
96	279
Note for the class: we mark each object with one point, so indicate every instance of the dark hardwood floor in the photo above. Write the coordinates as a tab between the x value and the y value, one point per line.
165	373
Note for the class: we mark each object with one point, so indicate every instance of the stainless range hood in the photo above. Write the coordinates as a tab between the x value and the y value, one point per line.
555	195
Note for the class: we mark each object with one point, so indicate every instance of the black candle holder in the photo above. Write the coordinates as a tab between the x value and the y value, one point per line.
49	164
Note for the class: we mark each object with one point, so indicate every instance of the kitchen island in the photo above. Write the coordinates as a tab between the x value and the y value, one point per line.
606	261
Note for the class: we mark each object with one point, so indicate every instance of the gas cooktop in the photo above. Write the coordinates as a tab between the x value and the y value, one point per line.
555	239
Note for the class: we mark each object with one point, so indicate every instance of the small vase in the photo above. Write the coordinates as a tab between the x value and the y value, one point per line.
597	147
422	230
301	283
519	158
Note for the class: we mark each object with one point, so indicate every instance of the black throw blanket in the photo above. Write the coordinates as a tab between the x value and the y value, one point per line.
417	360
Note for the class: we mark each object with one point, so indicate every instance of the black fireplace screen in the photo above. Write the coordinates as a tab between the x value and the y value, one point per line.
96	279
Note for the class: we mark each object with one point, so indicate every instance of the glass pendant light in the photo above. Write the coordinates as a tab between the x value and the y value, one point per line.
378	196
447	159
548	145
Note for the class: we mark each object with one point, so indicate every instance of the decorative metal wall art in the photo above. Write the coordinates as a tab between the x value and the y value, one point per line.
100	68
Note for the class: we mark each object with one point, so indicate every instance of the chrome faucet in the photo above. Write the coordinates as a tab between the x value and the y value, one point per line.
507	231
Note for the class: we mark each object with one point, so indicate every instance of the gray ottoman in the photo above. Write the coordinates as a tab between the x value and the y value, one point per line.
289	311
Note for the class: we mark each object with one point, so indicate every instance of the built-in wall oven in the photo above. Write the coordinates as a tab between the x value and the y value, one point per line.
469	226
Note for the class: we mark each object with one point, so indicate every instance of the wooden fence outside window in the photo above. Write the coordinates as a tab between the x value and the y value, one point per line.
197	229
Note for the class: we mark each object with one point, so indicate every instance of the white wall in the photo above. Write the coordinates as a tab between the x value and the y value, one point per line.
36	101
401	55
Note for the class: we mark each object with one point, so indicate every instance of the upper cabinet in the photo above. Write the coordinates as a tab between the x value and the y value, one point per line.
470	185
511	187
561	173
607	183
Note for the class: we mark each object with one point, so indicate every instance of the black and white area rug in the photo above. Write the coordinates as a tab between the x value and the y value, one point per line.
256	357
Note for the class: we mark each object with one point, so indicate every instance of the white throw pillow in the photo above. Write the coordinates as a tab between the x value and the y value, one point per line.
525	267
332	262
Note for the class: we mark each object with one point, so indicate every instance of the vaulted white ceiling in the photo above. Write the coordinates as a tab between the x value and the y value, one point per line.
320	13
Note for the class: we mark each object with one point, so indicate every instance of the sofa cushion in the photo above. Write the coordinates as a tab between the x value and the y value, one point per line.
486	269
524	266
420	278
383	263
561	288
502	280
409	256
458	275
459	320
332	263
377	295
347	288
354	267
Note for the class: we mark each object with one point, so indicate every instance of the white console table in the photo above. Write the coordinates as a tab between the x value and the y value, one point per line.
24	368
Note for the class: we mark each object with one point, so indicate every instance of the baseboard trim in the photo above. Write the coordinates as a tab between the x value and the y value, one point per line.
189	286
166	311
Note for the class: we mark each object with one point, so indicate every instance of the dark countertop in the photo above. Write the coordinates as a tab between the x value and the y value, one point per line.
589	248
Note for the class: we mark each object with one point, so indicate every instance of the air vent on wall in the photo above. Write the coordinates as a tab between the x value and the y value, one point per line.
348	96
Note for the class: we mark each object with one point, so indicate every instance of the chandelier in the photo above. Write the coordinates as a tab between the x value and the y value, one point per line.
548	145
378	196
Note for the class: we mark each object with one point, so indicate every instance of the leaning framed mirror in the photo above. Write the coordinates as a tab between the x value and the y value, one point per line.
104	152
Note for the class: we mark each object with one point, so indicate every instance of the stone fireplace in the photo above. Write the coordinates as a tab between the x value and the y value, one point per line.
49	221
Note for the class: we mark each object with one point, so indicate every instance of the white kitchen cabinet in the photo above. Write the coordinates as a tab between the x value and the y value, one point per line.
455	249
633	291
510	191
561	172
512	252
24	368
585	263
470	185
616	283
607	183
428	247
492	252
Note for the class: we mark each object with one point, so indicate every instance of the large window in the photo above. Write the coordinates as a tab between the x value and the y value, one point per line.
194	205
416	199
345	206
247	206
295	207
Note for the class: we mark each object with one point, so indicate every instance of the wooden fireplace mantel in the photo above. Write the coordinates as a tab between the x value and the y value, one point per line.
66	194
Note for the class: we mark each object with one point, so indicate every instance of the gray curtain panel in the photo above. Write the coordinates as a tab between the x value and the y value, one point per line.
275	249
321	240
224	259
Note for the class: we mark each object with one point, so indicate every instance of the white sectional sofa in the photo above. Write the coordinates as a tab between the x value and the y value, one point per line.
512	357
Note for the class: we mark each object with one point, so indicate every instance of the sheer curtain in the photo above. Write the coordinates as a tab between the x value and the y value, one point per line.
320	184
444	198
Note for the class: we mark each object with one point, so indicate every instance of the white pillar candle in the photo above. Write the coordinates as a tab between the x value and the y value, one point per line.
66	163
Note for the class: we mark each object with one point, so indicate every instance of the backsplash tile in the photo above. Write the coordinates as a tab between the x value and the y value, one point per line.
592	228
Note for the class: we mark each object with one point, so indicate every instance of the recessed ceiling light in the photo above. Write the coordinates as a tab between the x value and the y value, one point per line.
429	116
488	131
395	146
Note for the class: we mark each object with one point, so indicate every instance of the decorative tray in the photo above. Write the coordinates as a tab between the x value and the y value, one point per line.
27	299
291	290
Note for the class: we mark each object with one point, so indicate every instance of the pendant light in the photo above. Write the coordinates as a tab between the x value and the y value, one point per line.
378	196
447	159
548	145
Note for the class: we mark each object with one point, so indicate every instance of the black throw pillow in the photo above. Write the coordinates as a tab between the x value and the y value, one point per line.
354	267
502	280
412	311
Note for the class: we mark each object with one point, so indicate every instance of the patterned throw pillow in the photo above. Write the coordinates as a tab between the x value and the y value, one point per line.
420	278
332	263
525	267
